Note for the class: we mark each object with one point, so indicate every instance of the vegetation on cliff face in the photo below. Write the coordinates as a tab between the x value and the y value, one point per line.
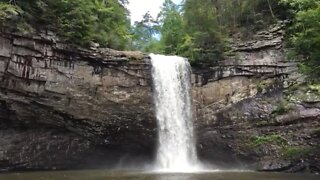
201	29
305	34
198	29
77	21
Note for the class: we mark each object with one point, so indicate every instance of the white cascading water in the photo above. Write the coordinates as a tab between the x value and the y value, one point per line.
176	147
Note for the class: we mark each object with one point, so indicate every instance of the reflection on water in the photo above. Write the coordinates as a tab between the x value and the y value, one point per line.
119	175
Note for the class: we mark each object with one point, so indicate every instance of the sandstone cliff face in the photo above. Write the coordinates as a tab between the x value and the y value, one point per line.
63	107
58	103
247	110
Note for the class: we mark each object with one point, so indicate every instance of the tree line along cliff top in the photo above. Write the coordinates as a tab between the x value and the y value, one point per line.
198	29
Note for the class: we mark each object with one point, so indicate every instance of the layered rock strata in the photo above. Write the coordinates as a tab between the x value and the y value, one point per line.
64	107
58	102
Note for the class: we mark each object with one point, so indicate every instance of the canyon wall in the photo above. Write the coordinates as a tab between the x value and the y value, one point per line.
256	109
65	107
60	104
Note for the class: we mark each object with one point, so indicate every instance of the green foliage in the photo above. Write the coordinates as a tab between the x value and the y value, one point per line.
261	86
172	28
299	5
7	11
200	29
77	21
284	147
296	152
305	34
281	109
315	88
232	16
143	35
256	141
207	42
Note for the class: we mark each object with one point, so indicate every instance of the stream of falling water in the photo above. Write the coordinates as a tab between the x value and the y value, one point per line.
176	147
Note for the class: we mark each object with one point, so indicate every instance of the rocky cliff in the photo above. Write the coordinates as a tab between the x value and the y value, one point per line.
256	109
65	107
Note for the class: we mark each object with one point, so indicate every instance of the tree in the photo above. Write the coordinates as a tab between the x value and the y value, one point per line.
172	28
7	10
77	21
305	34
144	32
205	34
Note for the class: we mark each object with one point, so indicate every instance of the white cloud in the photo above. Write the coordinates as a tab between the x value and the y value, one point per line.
138	8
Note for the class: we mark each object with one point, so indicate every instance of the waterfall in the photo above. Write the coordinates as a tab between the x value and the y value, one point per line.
176	147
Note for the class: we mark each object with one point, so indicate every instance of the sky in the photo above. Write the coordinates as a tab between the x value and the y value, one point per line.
138	8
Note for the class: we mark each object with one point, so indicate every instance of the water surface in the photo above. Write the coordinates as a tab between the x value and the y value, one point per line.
136	175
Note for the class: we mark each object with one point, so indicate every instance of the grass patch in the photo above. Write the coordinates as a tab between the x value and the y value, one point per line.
282	108
256	141
295	152
315	88
260	87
